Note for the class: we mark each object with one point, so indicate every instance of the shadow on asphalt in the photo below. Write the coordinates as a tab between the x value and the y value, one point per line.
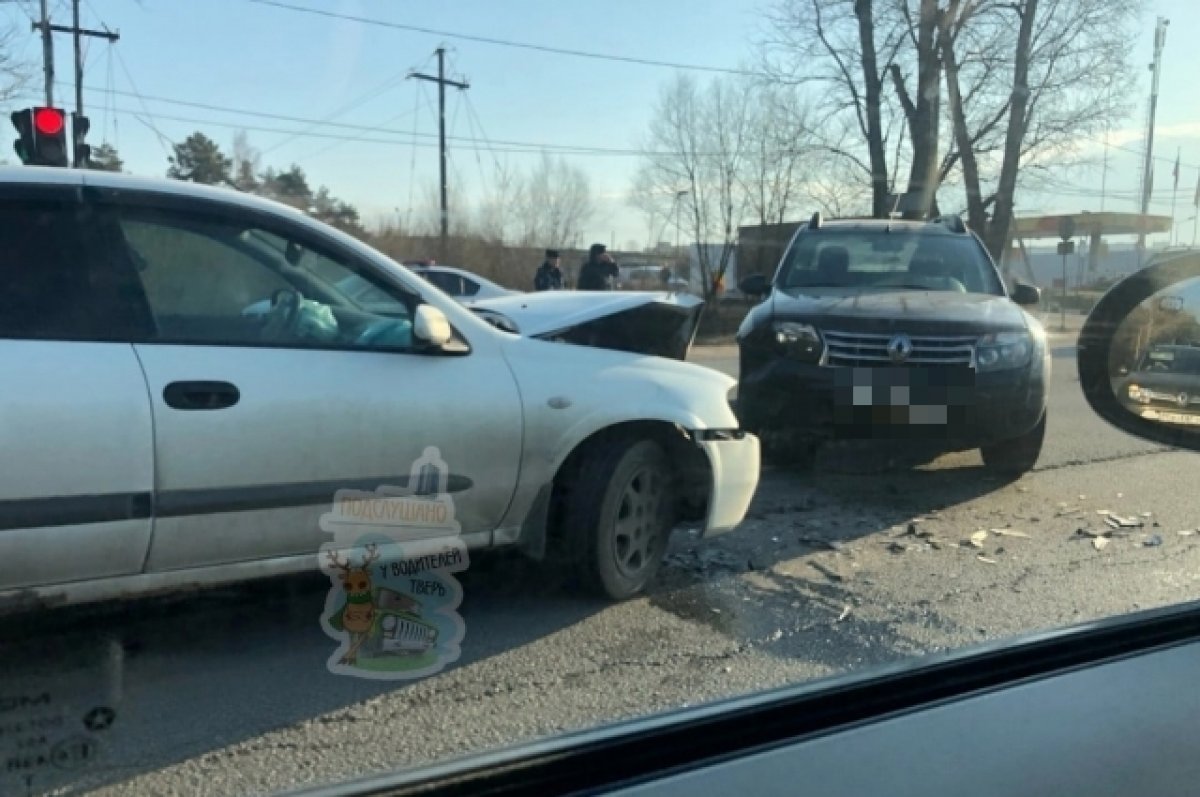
198	673
202	672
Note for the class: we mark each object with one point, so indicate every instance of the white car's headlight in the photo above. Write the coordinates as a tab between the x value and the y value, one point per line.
1002	350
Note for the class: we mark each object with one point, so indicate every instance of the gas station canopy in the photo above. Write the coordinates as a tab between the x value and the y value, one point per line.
1091	225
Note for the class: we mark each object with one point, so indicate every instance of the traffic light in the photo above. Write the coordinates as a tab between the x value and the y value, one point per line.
43	136
83	152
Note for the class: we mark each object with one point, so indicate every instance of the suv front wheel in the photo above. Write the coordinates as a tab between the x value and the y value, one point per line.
1018	455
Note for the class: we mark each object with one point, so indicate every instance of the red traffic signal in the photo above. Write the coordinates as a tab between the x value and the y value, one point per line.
49	121
43	136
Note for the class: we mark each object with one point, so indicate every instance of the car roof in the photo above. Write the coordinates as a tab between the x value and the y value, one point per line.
881	225
50	175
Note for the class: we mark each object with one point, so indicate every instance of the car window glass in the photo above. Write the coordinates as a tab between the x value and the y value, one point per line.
57	287
450	283
223	283
889	260
469	287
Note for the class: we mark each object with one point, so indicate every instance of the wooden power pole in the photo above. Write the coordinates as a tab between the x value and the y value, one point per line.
442	82
46	28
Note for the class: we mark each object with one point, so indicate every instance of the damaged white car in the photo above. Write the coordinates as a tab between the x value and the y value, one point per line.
195	390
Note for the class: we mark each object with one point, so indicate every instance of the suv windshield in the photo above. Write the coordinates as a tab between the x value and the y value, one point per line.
889	260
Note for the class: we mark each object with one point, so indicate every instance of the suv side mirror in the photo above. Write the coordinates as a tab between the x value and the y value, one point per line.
431	328
755	285
1026	295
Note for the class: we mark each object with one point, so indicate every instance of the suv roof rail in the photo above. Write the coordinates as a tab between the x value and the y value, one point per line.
954	222
815	222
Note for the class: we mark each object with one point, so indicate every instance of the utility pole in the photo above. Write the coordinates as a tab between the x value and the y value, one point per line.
47	53
1160	38
75	34
442	83
46	29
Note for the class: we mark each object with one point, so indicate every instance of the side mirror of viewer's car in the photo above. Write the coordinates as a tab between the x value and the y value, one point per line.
755	285
1139	354
1026	295
431	328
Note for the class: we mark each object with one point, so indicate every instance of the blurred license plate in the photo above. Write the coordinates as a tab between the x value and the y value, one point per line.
900	396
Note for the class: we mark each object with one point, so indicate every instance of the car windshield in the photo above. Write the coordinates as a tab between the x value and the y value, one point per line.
388	383
888	260
1173	360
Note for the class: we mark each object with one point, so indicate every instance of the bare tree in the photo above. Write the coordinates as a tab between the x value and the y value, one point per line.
844	49
15	74
695	154
497	220
555	203
780	151
1038	75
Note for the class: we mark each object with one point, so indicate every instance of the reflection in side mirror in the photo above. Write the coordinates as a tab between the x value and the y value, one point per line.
1139	354
431	327
755	285
1026	295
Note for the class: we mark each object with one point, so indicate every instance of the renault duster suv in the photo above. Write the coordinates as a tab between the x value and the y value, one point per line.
885	329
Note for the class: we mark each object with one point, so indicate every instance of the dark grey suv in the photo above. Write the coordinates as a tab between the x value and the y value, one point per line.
885	329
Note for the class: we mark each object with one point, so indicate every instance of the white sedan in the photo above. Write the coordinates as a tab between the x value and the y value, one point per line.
194	390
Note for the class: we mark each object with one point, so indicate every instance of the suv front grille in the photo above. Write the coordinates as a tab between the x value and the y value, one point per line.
864	350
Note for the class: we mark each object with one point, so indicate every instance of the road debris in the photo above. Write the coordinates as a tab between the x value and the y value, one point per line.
1153	541
986	559
1099	543
1010	533
976	540
1186	532
845	613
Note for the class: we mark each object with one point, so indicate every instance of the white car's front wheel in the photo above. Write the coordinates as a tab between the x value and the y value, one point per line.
620	514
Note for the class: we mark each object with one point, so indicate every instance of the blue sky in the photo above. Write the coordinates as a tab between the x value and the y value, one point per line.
241	55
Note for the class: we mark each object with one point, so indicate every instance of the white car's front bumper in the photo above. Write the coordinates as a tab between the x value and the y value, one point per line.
735	470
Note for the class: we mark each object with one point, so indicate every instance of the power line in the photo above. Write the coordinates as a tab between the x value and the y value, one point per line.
507	42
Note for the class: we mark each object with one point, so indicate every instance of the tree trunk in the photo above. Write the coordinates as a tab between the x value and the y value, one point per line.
997	233
923	115
976	215
873	86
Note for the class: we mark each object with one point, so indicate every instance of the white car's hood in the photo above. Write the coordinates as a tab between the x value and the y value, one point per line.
642	322
538	314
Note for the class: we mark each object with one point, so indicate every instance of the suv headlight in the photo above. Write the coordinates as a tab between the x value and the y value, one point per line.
801	341
1002	350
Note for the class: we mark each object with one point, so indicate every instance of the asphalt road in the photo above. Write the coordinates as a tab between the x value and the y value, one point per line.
837	570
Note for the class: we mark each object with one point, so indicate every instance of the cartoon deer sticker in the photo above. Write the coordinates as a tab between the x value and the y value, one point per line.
358	616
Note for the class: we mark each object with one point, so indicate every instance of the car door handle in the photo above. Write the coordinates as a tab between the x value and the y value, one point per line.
201	395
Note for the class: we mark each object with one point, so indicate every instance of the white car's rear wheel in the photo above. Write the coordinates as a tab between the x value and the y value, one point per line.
621	513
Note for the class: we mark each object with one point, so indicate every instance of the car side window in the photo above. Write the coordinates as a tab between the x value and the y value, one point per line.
56	287
450	283
469	287
220	282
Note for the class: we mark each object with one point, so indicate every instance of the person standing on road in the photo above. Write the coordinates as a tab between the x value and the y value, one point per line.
549	276
599	272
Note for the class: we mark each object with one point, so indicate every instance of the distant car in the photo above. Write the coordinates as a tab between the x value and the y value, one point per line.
464	286
1166	385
